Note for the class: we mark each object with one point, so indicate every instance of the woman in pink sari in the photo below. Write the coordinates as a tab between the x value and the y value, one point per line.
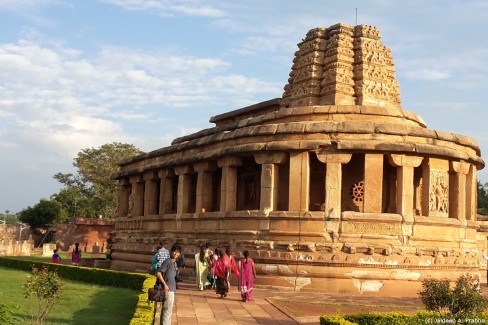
247	275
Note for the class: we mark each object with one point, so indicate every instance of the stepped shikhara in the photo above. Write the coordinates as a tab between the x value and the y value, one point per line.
332	187
342	65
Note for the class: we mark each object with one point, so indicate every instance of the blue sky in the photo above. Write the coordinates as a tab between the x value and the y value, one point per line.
78	74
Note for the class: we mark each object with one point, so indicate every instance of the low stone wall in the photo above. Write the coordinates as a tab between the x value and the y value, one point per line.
11	247
15	240
92	235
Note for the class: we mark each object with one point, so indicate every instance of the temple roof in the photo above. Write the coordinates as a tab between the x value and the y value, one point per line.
342	65
342	96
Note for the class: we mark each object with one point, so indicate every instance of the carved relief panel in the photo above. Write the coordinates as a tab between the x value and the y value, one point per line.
439	193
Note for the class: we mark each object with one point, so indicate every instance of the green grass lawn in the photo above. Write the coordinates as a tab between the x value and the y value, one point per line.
81	303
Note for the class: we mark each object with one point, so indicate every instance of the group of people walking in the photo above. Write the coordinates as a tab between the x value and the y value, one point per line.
214	271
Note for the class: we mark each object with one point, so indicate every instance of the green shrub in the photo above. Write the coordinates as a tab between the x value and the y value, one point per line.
46	287
381	319
467	298
84	274
436	295
144	313
334	320
464	301
421	318
372	319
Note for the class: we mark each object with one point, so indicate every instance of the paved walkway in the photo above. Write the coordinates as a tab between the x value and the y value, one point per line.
205	307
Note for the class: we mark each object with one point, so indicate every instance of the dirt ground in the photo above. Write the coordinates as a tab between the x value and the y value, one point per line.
308	309
299	309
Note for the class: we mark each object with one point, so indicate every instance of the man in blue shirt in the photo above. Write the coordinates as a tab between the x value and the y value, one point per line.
166	279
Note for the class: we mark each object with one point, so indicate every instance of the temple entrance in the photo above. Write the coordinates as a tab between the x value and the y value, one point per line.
317	184
248	185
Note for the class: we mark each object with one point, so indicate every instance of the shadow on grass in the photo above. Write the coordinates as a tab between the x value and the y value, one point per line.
107	306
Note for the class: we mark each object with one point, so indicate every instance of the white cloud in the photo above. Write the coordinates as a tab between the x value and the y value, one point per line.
426	74
169	8
56	98
26	5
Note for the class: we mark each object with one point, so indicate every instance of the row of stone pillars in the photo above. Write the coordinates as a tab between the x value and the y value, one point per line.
153	193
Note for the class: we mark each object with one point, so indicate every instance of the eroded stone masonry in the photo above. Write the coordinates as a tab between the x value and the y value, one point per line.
332	187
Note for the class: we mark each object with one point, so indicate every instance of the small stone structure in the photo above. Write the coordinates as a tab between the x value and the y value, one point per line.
91	233
48	249
15	240
332	187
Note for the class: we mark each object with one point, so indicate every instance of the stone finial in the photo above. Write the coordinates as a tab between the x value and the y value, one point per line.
342	65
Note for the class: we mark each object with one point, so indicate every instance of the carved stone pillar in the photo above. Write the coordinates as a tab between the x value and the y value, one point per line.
405	187
228	187
457	190
373	183
204	185
471	194
124	192
184	188
151	193
269	179
435	187
136	207
333	182
299	187
166	191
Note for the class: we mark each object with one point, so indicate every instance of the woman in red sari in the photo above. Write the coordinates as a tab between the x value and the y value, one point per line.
247	275
221	273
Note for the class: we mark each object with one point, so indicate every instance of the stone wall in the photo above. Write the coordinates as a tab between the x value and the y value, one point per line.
91	234
13	244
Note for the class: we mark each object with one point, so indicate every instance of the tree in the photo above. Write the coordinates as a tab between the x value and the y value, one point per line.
77	202
45	214
464	300
483	198
46	287
93	184
9	218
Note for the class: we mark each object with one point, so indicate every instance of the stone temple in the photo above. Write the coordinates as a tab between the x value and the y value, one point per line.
332	187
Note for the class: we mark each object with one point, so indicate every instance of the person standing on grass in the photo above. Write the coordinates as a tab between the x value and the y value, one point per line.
247	275
76	255
166	279
56	258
